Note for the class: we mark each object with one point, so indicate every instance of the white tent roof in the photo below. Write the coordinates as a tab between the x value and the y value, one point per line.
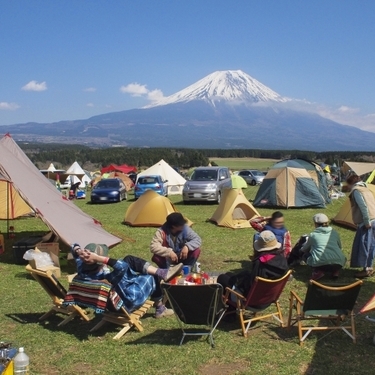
51	168
358	168
164	170
61	215
75	169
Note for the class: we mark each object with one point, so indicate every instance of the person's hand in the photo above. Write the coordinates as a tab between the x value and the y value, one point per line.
174	257
184	253
368	226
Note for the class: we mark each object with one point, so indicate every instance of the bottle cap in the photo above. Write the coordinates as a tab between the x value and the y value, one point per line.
21	350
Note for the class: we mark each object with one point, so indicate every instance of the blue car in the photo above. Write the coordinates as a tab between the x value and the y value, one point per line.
109	190
153	182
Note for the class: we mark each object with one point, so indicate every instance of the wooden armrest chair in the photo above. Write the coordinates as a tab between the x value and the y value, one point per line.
262	295
324	303
196	305
57	293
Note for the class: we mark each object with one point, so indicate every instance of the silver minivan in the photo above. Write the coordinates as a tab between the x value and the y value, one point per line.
206	184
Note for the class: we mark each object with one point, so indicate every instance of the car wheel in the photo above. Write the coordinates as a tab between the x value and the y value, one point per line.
253	183
219	197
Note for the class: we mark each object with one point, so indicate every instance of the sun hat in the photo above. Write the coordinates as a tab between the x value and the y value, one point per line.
320	219
175	219
266	242
98	249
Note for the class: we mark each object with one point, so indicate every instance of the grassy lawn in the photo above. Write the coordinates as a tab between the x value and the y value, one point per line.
245	163
268	350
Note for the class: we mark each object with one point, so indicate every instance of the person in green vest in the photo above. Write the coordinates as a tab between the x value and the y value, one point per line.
324	249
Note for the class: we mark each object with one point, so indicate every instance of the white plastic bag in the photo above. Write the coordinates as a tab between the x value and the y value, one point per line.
41	258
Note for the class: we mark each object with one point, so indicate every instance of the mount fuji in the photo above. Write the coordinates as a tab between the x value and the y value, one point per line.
226	109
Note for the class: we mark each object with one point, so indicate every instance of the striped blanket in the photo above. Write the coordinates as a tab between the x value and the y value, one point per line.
92	294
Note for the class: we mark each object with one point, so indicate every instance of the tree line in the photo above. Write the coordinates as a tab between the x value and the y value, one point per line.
183	158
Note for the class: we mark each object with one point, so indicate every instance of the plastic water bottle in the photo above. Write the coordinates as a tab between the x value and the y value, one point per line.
21	363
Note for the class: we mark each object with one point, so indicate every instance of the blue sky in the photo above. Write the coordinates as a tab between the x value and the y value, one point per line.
68	59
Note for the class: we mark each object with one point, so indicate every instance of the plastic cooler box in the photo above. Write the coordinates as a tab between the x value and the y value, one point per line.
20	247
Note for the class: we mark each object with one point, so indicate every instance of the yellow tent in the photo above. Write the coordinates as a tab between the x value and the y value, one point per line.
11	203
344	217
150	210
234	210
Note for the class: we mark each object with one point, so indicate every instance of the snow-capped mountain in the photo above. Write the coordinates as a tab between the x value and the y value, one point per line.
233	86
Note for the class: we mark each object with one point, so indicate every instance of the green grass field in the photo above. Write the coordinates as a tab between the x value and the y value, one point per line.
244	163
269	349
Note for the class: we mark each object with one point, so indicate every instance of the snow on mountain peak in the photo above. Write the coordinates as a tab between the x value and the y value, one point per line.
228	86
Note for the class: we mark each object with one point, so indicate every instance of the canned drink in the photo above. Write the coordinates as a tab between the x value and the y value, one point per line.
198	267
186	270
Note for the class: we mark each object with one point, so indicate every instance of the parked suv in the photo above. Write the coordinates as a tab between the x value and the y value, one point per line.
150	182
252	176
207	184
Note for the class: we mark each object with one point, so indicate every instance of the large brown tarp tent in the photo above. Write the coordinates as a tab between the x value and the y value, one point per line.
360	169
344	216
234	210
150	210
61	215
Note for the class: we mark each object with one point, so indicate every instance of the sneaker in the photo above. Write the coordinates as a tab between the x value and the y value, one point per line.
162	312
316	275
173	271
363	274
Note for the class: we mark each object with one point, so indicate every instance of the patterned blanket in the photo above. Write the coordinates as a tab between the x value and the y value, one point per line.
92	294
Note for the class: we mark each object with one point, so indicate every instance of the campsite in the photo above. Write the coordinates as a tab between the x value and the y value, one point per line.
227	244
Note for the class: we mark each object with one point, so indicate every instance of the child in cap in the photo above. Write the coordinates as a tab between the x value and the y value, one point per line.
324	248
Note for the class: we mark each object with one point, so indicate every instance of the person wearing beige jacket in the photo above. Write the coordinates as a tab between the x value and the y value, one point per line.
175	242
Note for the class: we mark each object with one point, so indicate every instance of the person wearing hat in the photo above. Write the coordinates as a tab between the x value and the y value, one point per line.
363	213
324	249
175	242
268	262
133	278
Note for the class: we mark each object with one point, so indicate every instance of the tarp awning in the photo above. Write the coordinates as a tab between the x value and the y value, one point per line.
359	169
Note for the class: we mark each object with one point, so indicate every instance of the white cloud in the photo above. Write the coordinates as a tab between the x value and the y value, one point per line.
89	89
8	106
90	104
136	89
35	86
108	106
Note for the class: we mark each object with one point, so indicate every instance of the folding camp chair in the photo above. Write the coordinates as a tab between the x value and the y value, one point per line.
324	303
196	305
263	293
57	293
125	319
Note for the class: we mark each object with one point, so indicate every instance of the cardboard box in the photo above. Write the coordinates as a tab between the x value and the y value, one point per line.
52	248
54	254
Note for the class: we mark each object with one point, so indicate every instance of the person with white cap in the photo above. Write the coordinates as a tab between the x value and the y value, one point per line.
269	262
324	249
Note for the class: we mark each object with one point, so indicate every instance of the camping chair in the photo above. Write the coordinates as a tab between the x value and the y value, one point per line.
124	319
57	293
324	303
196	305
263	293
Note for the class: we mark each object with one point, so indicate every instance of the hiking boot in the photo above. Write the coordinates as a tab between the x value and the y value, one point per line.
316	275
173	271
363	274
162	312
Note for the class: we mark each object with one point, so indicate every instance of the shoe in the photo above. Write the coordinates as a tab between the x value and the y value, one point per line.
363	274
335	275
316	275
173	271
162	312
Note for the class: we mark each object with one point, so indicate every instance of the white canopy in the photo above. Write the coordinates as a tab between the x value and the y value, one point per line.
359	169
61	215
175	181
51	168
75	169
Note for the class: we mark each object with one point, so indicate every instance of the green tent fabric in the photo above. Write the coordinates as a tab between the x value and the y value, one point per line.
238	182
288	184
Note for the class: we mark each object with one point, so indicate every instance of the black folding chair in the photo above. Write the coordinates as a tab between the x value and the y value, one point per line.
196	305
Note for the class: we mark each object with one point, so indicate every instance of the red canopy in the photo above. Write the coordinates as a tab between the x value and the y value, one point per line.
124	168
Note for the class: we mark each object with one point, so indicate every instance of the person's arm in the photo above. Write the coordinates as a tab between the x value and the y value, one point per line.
193	241
157	247
358	197
287	243
258	223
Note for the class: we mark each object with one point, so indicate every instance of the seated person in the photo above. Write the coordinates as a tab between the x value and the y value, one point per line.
175	242
134	279
275	224
323	249
269	263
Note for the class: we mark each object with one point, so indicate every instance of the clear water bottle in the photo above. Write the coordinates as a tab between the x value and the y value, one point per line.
21	363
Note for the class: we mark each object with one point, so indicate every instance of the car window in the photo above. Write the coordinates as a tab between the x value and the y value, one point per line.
223	174
147	180
244	173
204	175
103	184
257	173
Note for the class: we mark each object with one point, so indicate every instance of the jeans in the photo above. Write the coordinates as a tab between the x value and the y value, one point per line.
140	265
189	261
